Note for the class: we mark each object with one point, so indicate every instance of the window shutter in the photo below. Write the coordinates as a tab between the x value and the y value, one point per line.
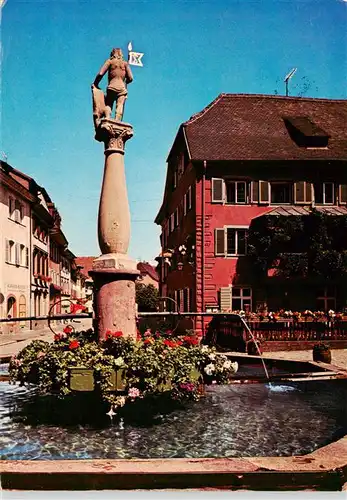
308	192
299	192
185	204
264	192
16	248
219	242
225	299
7	252
343	194
217	190
190	197
27	257
255	191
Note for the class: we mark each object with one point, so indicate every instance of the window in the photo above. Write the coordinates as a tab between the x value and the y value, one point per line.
217	190
231	241
236	241
187	202
281	192
176	218
236	192
241	299
10	207
326	299
324	193
10	251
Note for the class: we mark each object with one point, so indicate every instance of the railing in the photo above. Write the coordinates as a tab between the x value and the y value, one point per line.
227	330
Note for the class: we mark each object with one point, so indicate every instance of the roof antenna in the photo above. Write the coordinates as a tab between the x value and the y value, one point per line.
287	78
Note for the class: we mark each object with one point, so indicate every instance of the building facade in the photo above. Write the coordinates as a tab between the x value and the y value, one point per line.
243	157
35	269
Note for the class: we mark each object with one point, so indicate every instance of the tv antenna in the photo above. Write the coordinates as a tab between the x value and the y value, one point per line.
287	78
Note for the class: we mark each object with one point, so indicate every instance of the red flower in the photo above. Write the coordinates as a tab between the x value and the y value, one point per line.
116	335
170	343
74	344
190	340
58	336
68	329
179	342
147	341
168	332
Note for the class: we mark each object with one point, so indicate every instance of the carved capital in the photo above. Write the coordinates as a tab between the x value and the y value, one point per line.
113	134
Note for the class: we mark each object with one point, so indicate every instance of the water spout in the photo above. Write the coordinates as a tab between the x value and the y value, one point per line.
256	344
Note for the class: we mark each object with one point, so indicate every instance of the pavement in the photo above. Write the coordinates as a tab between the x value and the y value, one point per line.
12	343
338	356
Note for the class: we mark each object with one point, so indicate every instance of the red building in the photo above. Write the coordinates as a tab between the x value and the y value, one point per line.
241	157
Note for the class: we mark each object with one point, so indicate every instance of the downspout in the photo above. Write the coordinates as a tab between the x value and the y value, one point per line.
30	263
203	245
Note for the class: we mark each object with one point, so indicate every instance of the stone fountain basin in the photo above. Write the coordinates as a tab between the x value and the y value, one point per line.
323	469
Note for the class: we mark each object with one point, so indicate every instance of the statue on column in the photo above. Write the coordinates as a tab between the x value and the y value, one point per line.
119	75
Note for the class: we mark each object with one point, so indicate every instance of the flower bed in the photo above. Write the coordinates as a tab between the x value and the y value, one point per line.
119	369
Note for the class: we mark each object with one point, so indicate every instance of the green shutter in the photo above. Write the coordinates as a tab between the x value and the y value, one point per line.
225	299
217	191
219	242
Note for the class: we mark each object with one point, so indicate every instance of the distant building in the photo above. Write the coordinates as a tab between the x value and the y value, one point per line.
34	258
241	157
148	274
85	264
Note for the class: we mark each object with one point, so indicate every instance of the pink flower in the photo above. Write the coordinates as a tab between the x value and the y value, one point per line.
134	393
40	354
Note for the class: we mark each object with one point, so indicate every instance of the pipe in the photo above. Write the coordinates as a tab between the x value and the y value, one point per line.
203	245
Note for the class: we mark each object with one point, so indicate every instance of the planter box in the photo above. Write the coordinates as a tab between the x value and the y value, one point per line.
116	380
82	379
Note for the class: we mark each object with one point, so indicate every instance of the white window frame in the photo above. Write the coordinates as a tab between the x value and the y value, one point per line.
291	197
175	219
241	297
323	190
236	254
229	181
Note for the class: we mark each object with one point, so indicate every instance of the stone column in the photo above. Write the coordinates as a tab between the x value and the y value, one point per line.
114	273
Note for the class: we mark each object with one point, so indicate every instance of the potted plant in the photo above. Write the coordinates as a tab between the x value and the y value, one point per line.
321	353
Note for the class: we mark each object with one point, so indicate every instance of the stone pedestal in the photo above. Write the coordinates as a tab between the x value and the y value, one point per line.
114	273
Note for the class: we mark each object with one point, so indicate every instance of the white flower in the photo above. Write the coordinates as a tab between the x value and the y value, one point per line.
226	364
235	366
205	348
119	361
331	313
212	356
209	369
242	313
120	401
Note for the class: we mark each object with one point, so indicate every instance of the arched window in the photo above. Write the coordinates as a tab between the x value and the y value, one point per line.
11	307
22	306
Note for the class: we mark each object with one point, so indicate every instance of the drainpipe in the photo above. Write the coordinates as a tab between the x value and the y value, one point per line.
30	263
203	245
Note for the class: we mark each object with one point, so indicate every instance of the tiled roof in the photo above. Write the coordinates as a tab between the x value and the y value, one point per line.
252	127
297	210
86	263
146	268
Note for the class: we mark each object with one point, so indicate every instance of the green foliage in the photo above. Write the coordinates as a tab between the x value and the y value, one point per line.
313	245
147	297
148	365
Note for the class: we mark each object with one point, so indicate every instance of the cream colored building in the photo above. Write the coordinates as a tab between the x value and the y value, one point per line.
15	244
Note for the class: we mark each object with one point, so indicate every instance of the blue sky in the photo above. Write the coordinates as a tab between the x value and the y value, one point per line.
194	50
